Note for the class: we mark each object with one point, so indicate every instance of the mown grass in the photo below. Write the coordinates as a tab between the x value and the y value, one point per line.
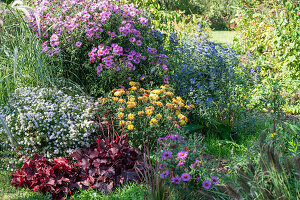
223	37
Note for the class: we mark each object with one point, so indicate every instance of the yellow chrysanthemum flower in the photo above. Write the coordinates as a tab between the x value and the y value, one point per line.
153	96
159	116
121	109
132	99
153	121
182	122
131	104
131	83
121	115
122	123
192	105
156	92
169	94
140	98
120	92
145	98
128	122
160	104
115	99
133	88
180	116
130	127
121	101
131	116
149	112
169	105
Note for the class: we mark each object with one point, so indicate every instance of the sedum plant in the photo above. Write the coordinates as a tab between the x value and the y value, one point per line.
48	121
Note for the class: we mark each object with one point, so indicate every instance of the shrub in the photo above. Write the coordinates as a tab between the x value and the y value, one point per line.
108	164
211	77
40	175
49	121
185	165
270	34
146	114
99	42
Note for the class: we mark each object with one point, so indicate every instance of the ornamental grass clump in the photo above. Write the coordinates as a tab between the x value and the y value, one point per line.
184	164
144	114
48	121
101	43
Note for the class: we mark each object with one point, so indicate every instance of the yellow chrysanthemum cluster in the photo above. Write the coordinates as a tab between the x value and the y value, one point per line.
137	107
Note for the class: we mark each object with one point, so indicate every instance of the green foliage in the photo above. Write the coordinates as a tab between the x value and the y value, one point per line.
129	191
274	176
270	32
21	64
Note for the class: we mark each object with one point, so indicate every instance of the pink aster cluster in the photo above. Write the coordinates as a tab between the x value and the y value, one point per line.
182	161
75	26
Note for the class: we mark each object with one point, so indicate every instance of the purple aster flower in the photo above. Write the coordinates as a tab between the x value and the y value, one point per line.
166	79
185	177
164	67
57	50
161	139
206	184
132	39
164	174
176	180
181	162
139	42
113	35
142	78
50	53
78	44
182	154
129	78
175	137
117	69
166	154
69	40
214	180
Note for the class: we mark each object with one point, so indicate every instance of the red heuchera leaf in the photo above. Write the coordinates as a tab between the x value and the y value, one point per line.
102	166
110	162
38	174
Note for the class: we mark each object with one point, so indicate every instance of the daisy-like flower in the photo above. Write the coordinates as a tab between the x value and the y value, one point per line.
164	67
142	78
164	174
166	154
198	163
166	79
206	184
132	39
214	180
78	44
131	116
176	180
138	42
182	154
185	177
50	53
181	162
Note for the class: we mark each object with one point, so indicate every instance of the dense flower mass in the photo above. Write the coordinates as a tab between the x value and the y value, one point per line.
49	121
146	114
102	34
186	166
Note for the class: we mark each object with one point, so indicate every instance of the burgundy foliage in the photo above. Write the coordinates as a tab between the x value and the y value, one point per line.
38	174
107	164
102	166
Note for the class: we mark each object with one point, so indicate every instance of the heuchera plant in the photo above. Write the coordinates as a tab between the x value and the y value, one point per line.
38	174
107	164
99	37
184	164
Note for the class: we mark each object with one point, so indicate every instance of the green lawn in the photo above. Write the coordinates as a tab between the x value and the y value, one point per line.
223	37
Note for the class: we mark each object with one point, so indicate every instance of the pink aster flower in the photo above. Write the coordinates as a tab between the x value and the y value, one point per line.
113	35
206	184
176	180
182	154
198	163
164	174
164	67
166	154
78	44
185	177
181	162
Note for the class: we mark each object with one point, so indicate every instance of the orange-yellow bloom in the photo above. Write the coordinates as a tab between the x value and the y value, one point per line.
159	116
141	112
121	115
131	116
130	127
153	121
121	109
122	123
